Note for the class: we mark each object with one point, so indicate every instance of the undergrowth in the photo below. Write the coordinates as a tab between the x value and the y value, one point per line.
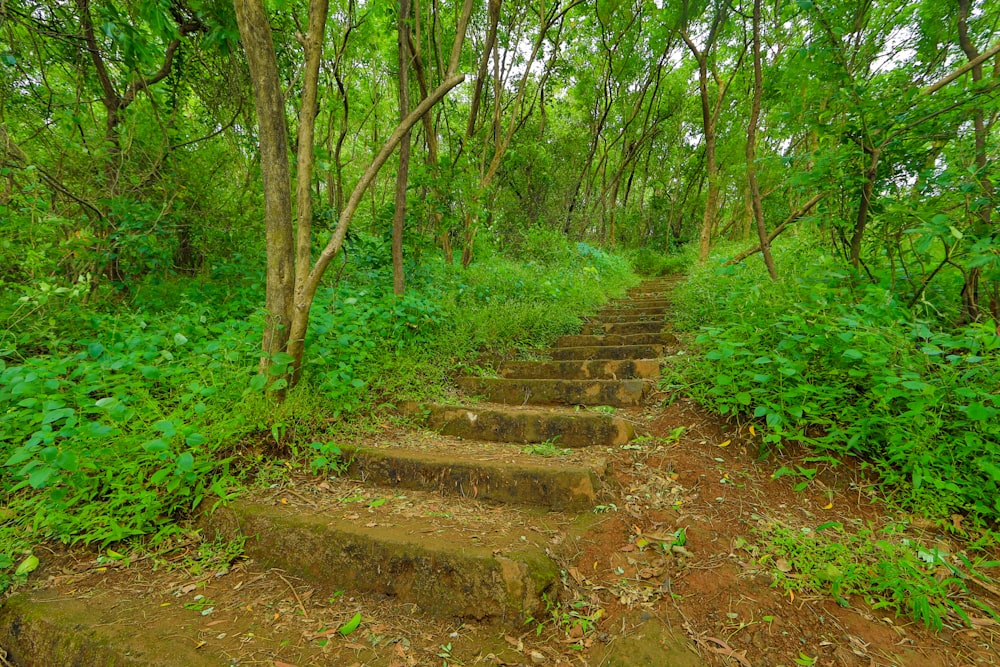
841	365
880	565
121	414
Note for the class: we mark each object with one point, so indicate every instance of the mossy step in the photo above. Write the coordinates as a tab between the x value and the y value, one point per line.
617	318
617	393
622	328
40	631
628	310
407	560
607	352
593	369
506	424
642	303
592	340
549	484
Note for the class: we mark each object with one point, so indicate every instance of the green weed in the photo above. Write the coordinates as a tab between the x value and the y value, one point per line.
885	569
845	368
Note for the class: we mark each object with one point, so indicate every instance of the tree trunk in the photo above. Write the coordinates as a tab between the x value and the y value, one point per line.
399	215
755	202
255	33
867	188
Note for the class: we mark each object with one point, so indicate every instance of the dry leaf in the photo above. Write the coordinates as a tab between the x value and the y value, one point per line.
725	444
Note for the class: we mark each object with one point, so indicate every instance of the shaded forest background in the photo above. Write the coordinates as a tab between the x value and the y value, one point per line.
168	203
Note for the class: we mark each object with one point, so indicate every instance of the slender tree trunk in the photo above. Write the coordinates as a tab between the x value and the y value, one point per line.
255	33
970	291
399	215
867	188
755	202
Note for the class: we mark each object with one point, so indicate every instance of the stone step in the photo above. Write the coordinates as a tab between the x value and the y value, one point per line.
514	479
617	393
591	340
607	352
595	369
507	424
622	328
642	303
618	312
614	318
46	632
450	567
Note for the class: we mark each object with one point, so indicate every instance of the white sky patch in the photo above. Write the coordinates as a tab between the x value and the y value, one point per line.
896	51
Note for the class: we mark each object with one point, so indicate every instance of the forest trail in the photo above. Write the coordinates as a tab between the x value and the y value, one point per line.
561	511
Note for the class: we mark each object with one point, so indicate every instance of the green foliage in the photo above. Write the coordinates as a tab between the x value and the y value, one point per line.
123	422
648	262
884	568
844	367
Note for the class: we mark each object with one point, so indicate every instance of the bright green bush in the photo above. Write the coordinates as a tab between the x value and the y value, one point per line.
845	368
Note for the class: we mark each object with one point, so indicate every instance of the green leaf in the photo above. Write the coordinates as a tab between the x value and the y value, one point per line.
154	446
180	339
150	372
185	462
258	382
40	477
95	350
978	412
166	427
195	439
27	566
351	625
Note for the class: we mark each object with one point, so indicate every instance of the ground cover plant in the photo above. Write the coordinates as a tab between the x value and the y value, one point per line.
129	420
843	366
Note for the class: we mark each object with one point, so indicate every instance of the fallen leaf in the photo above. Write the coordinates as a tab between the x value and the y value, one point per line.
828	506
725	444
783	565
351	625
753	431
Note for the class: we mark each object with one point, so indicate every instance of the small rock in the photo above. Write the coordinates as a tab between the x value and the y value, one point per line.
536	657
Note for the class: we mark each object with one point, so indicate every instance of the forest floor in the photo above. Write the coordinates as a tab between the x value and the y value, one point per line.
708	602
699	552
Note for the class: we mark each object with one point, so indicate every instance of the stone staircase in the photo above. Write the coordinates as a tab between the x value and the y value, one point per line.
499	512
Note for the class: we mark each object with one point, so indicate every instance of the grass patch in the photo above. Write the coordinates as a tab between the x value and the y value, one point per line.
882	566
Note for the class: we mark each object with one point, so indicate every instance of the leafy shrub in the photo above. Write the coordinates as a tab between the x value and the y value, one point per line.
848	369
648	262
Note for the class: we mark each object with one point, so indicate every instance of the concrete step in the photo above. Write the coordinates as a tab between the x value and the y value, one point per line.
618	393
622	328
595	369
507	424
607	352
591	340
450	567
521	481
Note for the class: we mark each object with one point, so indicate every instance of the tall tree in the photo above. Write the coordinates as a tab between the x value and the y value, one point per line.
292	275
